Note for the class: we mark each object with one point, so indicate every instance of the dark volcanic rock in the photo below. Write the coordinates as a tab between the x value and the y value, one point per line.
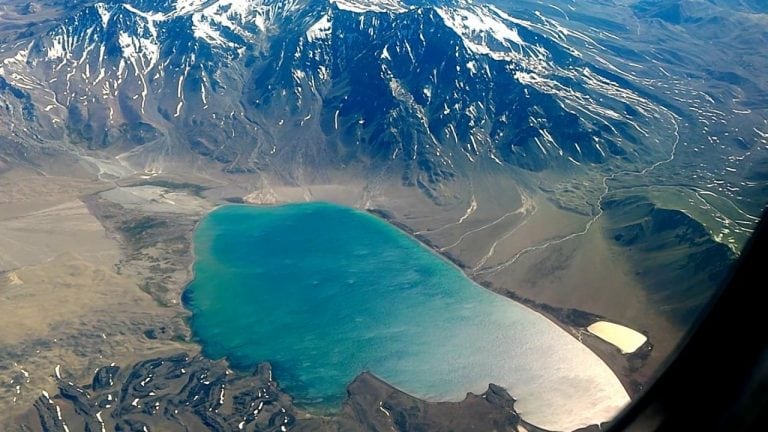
104	377
168	394
374	405
182	393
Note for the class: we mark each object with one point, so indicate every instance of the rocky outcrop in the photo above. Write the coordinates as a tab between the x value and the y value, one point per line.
171	393
183	393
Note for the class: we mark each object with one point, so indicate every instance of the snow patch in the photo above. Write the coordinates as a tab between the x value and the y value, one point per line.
321	29
479	28
104	13
362	6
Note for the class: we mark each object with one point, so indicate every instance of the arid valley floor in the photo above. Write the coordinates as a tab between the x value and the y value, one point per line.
93	268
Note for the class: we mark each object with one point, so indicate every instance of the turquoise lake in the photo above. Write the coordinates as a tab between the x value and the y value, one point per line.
324	292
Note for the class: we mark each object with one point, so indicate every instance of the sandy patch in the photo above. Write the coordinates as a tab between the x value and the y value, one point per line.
40	235
156	199
24	191
350	195
624	338
65	288
13	279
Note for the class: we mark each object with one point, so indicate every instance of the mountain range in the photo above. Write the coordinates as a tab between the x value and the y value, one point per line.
295	88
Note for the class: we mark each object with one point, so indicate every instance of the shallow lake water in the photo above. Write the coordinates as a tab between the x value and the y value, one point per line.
324	292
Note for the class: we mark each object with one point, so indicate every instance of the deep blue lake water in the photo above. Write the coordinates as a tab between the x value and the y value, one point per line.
324	292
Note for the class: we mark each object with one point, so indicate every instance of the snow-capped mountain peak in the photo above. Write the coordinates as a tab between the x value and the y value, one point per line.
433	87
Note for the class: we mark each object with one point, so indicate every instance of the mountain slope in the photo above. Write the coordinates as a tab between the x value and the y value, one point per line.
289	86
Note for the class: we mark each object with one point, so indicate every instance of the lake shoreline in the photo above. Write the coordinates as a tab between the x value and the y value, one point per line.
389	221
574	322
